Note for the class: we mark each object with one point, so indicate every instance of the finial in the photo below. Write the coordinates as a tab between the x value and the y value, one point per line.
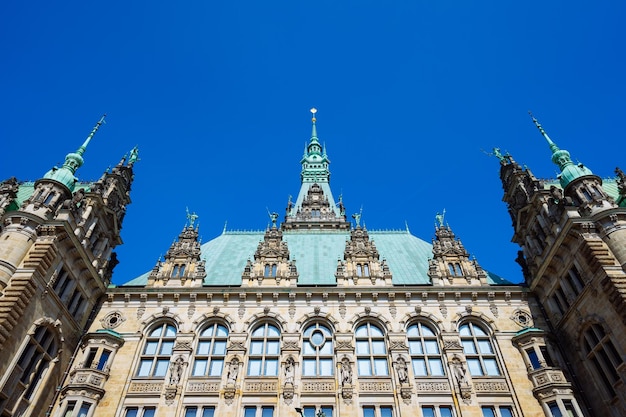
83	147
406	224
225	224
439	218
313	129
191	217
552	145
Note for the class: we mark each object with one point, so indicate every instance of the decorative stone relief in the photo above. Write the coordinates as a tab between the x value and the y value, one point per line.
112	320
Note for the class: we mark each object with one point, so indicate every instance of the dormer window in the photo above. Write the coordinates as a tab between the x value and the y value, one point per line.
362	270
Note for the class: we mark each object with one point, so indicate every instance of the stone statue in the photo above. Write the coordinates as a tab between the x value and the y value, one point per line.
346	372
191	217
289	370
233	371
460	372
401	369
176	370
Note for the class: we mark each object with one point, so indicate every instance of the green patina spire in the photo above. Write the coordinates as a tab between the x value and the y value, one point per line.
73	161
561	157
314	162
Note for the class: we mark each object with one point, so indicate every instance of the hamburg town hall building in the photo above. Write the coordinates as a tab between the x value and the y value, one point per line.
316	315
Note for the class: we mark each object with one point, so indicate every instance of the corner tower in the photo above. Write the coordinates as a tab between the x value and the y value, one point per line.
56	260
572	236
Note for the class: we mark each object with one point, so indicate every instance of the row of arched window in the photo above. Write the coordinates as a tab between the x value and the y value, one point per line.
318	353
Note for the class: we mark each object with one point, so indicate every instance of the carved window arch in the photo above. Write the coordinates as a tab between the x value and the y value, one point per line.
602	356
479	350
424	350
157	351
31	369
317	351
210	351
264	350
371	350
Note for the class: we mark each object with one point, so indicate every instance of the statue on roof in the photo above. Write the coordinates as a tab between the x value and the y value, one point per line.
357	217
439	217
191	217
134	156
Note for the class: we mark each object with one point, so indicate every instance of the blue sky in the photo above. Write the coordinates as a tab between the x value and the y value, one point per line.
217	97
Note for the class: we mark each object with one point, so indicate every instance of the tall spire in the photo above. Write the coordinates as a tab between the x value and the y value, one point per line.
73	161
315	206
562	158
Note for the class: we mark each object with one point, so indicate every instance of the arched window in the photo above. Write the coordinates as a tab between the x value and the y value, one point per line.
481	358
264	351
31	368
371	351
157	351
211	350
424	350
317	351
602	356
451	268
458	270
274	267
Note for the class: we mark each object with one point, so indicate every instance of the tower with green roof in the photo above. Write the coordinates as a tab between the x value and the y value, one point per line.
57	244
572	237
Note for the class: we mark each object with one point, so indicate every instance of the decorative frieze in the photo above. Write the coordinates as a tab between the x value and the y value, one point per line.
317	386
145	387
491	386
432	386
261	387
381	386
203	387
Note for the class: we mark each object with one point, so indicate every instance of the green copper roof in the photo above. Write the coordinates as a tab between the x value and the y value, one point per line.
73	161
569	171
316	253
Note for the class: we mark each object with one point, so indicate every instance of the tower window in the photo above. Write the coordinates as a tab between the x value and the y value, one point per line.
602	356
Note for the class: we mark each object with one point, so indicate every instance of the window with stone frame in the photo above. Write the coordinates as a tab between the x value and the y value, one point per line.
140	412
479	350
157	351
602	357
371	351
258	411
377	411
210	351
437	411
30	371
317	411
424	351
497	411
264	351
77	409
317	351
199	411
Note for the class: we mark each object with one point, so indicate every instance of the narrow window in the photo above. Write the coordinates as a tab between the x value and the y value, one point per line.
601	353
274	267
533	358
104	358
458	270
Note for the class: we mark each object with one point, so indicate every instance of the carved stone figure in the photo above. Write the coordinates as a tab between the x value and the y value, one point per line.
289	370
401	369
176	370
233	371
346	372
460	373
